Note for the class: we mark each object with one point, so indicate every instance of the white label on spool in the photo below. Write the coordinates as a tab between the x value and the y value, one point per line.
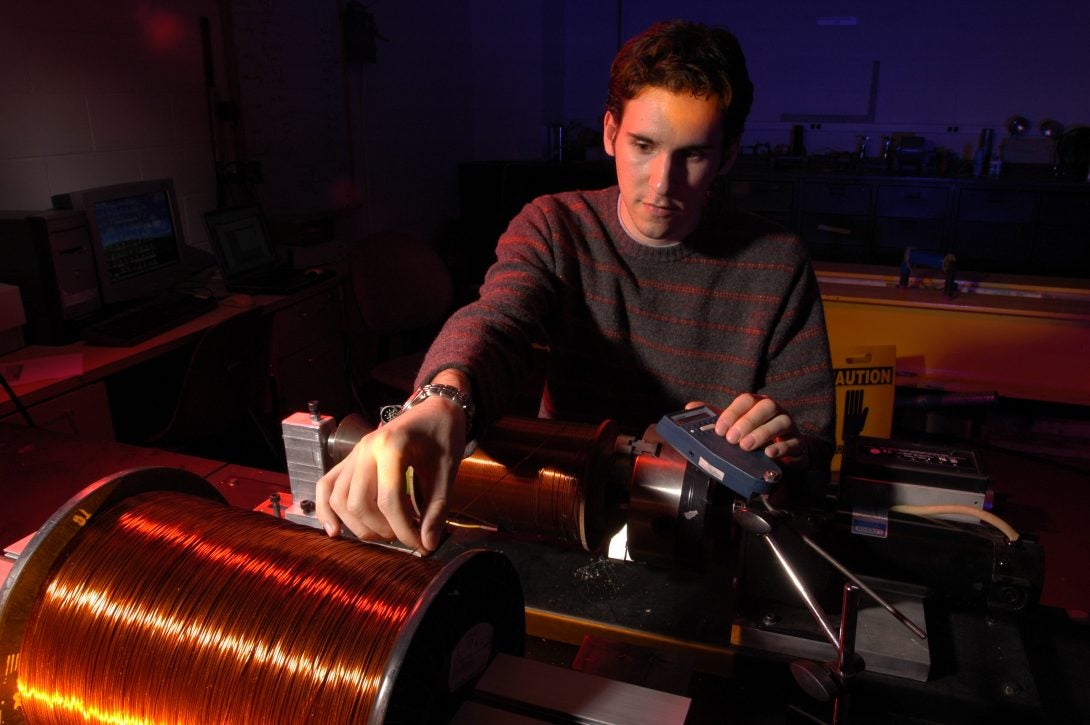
470	655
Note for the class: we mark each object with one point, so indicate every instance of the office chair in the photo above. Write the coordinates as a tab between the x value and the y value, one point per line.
404	291
224	381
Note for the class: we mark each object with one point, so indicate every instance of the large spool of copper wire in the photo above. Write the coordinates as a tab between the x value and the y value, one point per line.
161	606
539	477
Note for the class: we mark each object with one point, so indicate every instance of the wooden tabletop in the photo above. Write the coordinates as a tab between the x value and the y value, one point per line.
42	470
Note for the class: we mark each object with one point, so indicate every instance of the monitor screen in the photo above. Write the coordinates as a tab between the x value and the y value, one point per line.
137	234
137	239
237	236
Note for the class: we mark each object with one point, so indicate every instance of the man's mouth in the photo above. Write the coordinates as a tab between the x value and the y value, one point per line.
660	210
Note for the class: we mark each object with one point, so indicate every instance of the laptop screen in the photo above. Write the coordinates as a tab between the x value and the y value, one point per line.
238	238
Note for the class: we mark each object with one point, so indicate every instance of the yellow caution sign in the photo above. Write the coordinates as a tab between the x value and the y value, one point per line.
865	390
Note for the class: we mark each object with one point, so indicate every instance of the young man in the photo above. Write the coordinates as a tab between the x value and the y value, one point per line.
648	298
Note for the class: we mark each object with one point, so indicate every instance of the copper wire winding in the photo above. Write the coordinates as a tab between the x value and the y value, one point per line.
538	477
173	609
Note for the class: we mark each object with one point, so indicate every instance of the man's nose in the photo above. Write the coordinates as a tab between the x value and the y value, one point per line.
663	169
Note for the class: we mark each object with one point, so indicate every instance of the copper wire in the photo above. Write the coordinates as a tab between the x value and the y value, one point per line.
538	477
173	609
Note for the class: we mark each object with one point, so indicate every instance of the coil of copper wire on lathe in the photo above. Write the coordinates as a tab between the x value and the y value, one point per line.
165	607
539	477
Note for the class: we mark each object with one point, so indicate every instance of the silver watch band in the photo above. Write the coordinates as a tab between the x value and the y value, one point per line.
424	392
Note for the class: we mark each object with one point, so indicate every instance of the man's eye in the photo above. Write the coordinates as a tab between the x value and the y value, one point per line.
696	155
642	146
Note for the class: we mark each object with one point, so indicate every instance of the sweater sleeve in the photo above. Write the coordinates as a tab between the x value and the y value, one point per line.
799	367
491	339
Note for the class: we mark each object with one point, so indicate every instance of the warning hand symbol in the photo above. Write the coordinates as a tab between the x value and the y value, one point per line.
855	415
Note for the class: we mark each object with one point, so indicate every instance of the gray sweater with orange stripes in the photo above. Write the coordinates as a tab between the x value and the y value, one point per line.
635	332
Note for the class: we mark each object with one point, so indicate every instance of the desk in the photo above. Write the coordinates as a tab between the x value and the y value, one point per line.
311	319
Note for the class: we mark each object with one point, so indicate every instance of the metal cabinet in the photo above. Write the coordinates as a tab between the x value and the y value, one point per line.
836	219
771	198
308	353
994	228
1062	240
910	215
1031	225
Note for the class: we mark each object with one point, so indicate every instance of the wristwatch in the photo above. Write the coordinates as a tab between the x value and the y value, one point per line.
424	392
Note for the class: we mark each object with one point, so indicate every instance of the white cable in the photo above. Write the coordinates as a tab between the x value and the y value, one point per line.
961	509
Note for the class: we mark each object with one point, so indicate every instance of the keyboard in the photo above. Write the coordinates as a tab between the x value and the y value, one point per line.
146	320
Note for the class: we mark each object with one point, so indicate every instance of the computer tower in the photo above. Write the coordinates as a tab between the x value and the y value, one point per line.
48	255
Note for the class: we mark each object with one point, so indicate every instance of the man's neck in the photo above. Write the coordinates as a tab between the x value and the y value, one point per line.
635	235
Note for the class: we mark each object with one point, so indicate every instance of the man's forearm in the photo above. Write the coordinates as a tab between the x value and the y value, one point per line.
455	378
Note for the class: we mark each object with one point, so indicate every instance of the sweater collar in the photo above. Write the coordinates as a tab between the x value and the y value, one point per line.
634	249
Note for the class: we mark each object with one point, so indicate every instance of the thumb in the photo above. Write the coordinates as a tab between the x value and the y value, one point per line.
433	523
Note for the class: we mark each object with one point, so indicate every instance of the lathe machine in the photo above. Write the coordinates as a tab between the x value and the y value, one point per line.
146	594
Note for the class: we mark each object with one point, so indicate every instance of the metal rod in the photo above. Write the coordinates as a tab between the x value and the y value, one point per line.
807	598
849	616
897	614
845	653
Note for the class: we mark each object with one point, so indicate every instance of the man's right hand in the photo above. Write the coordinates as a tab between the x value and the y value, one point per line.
367	492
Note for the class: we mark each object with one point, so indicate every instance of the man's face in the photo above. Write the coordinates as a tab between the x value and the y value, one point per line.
669	149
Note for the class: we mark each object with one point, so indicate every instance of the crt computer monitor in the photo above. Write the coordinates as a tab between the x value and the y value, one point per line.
137	238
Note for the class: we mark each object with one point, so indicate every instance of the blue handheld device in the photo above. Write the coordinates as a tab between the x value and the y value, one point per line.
692	434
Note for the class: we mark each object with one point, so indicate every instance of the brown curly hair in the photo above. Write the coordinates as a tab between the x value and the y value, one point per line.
682	56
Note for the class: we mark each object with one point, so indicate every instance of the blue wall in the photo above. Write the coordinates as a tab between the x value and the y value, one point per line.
482	79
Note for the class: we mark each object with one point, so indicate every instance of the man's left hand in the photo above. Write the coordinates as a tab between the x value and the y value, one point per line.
754	421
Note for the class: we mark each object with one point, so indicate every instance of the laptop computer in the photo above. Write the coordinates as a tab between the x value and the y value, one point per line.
240	241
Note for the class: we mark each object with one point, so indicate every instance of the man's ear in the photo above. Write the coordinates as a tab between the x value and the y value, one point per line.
730	155
610	127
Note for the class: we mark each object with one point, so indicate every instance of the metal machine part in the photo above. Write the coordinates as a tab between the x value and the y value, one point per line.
539	478
773	581
669	507
579	484
877	474
962	562
951	565
829	680
535	477
309	439
571	483
824	681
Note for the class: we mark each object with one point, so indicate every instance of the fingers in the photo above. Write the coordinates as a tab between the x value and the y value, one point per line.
345	499
323	492
788	450
431	526
753	422
365	493
392	502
